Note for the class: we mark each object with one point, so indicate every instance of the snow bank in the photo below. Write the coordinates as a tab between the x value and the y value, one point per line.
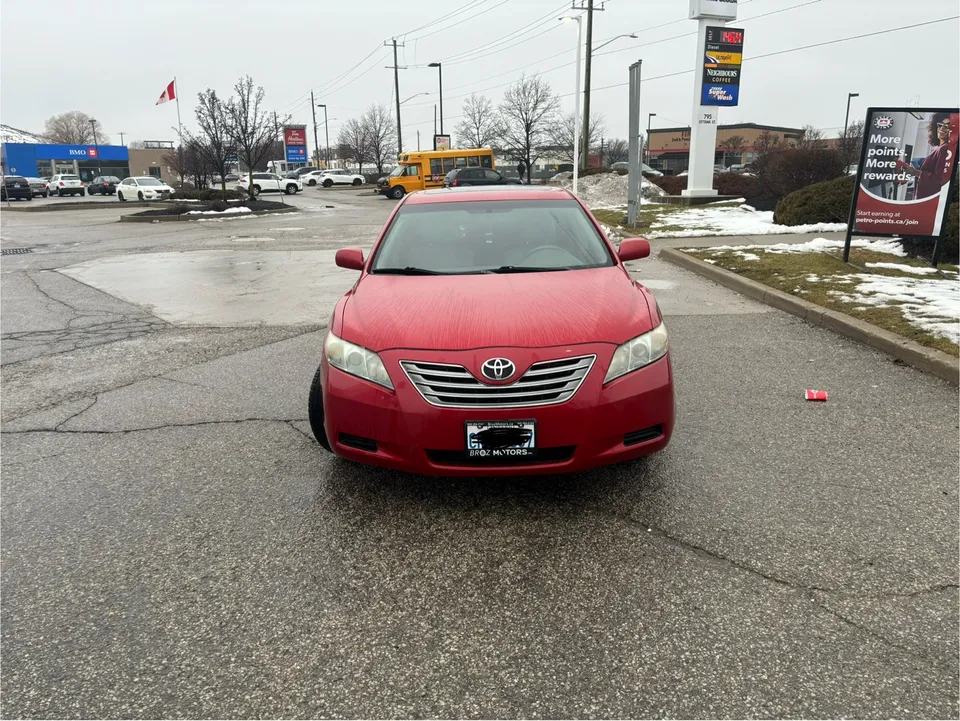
926	303
732	220
240	209
605	190
905	268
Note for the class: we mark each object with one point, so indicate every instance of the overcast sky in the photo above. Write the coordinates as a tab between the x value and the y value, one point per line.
113	60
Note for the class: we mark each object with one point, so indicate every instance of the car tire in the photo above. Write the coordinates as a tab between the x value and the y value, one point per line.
82	192
312	182
327	183
397	192
315	412
357	182
44	194
30	197
140	196
291	189
120	196
256	190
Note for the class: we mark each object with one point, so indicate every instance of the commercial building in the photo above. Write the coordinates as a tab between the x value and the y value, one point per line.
44	160
670	147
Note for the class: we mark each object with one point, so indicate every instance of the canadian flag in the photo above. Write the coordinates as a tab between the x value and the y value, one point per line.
168	94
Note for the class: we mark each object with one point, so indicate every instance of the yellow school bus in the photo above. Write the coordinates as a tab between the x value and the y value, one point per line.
426	169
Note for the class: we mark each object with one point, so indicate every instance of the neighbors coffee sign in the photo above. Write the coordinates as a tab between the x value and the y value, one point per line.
906	166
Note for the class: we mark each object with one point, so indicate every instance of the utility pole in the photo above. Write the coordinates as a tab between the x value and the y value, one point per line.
396	90
586	79
276	129
326	130
313	111
418	140
121	137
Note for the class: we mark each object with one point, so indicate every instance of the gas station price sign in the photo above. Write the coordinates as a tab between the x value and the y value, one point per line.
722	58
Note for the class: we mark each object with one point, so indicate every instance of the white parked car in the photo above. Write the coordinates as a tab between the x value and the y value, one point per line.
270	183
339	177
66	185
144	188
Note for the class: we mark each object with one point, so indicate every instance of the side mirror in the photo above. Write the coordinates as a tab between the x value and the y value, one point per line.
633	249
351	258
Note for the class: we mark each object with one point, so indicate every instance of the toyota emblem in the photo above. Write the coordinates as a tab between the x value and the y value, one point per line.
497	369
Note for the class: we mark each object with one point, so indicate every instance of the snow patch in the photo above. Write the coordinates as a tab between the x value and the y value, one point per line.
731	220
606	190
817	245
228	211
904	268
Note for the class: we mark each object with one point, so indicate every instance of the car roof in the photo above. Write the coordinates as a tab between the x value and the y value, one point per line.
477	192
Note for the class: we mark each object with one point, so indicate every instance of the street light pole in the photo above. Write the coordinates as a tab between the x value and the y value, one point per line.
313	112
96	145
649	116
846	120
576	103
439	67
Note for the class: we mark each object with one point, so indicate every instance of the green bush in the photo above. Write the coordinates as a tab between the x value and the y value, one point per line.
782	172
671	184
825	202
219	205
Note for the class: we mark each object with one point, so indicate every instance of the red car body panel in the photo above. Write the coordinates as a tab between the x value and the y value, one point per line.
467	319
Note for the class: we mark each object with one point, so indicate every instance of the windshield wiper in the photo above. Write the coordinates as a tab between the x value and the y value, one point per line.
409	270
524	269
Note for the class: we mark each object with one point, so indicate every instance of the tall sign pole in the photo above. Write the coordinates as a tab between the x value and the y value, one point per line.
316	143
708	94
633	145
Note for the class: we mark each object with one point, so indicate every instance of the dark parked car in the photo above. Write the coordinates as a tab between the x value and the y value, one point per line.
458	177
104	185
15	186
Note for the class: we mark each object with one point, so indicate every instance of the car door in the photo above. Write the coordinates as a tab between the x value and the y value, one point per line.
492	177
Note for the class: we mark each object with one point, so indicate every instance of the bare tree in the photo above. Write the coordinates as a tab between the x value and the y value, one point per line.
252	129
616	150
354	143
561	133
733	145
480	126
811	137
850	142
381	134
214	142
72	128
136	145
180	162
528	109
766	144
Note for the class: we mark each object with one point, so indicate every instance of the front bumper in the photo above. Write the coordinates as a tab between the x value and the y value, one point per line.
631	417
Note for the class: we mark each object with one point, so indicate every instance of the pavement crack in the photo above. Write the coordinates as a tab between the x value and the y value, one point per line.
81	411
195	424
300	431
46	295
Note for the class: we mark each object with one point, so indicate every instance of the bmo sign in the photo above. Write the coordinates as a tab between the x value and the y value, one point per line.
83	152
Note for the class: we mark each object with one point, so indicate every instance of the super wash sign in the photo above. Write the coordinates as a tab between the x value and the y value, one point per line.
722	58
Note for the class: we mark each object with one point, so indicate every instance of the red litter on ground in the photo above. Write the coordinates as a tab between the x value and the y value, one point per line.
812	395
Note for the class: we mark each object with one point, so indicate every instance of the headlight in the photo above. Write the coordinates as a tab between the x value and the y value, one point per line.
638	352
355	360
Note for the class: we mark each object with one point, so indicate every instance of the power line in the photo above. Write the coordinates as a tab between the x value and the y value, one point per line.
442	18
330	82
460	22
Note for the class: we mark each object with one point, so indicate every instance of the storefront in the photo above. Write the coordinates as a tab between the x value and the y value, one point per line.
44	160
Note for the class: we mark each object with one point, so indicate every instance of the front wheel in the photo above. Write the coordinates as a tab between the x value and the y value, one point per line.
357	181
397	192
315	411
140	196
312	182
291	189
120	196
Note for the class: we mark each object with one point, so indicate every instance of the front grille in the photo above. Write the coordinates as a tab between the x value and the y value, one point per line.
460	458
545	382
647	434
364	444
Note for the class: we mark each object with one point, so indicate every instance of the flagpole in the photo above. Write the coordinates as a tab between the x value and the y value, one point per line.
176	96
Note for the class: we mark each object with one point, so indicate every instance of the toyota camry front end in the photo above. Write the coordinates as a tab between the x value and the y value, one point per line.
493	332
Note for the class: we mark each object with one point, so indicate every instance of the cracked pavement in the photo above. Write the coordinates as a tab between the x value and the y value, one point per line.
175	544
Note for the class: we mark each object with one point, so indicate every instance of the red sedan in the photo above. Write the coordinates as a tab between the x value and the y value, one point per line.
493	331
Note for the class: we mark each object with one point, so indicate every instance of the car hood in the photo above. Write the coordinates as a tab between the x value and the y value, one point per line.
457	312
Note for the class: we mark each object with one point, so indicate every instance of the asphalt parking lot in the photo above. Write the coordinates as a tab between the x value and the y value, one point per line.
174	543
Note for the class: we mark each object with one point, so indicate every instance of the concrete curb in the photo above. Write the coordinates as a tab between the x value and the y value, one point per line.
928	360
183	218
81	205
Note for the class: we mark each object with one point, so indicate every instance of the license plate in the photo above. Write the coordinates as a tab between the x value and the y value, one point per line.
16	185
500	439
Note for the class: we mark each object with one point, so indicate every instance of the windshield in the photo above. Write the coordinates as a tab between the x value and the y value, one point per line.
397	171
148	181
491	236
